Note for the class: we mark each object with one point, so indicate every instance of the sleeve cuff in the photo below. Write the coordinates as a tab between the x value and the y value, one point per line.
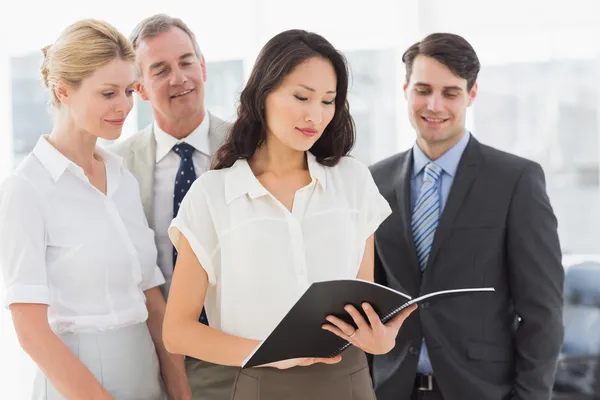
380	211
34	294
177	227
156	279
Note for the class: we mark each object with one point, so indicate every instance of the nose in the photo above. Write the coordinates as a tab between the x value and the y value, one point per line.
177	77
125	104
434	103
314	113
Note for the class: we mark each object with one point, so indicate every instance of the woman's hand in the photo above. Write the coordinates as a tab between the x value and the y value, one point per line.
372	337
302	362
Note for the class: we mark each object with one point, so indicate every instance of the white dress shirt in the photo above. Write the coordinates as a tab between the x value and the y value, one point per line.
259	257
88	255
167	164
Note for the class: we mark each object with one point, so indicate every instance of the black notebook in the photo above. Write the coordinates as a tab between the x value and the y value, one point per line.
299	334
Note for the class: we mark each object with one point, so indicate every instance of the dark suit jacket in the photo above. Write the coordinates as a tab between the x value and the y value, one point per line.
497	229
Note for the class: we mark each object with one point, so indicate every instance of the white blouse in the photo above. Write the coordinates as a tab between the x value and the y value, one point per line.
259	257
89	256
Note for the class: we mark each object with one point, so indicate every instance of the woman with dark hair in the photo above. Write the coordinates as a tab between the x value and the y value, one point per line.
283	207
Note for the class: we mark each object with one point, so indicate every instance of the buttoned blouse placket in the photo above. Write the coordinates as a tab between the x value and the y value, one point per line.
294	220
112	178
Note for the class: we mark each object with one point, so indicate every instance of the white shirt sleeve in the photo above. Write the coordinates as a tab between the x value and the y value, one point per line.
151	274
144	243
195	222
375	208
22	243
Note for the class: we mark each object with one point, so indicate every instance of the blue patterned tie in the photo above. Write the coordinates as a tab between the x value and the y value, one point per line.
425	218
186	175
426	213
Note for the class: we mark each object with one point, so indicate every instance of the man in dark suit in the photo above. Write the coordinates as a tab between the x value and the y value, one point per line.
466	215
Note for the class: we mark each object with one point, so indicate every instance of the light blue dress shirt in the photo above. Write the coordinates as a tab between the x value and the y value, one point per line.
449	163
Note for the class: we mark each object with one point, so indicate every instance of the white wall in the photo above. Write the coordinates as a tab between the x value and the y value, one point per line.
13	364
6	153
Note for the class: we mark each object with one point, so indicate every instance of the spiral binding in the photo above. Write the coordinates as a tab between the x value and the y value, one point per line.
383	319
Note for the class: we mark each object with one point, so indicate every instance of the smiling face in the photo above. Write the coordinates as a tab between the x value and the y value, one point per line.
299	110
101	103
437	103
172	79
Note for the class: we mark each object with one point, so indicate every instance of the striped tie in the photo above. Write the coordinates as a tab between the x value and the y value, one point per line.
426	213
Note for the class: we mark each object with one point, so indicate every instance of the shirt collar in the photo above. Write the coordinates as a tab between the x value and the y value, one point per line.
198	139
448	161
240	179
56	163
317	171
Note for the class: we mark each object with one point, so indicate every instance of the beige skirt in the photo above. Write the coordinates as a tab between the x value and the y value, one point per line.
347	380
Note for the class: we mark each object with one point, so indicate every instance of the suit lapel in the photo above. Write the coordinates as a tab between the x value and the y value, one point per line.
142	160
143	165
402	188
463	181
216	133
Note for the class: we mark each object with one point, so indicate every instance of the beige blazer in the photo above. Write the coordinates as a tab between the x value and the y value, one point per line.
139	154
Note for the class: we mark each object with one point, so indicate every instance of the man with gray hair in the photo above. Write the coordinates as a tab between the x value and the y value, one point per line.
169	154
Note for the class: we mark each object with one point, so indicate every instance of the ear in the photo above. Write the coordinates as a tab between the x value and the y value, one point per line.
203	66
473	94
405	88
141	91
63	93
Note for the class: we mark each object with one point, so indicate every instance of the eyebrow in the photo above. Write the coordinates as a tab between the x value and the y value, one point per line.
313	90
114	85
425	85
162	63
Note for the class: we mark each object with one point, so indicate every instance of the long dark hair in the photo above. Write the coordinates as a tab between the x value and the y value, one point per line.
276	60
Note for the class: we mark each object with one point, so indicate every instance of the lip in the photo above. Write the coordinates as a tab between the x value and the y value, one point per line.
172	97
307	131
115	122
443	121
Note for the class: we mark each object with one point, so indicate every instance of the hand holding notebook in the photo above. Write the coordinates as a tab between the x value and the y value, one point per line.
374	335
302	362
371	334
300	333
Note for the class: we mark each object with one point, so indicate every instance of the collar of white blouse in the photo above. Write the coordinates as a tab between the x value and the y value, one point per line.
240	179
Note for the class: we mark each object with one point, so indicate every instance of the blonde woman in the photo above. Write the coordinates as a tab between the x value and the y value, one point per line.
77	257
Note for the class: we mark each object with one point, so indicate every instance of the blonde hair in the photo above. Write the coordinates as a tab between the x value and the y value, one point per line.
82	48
